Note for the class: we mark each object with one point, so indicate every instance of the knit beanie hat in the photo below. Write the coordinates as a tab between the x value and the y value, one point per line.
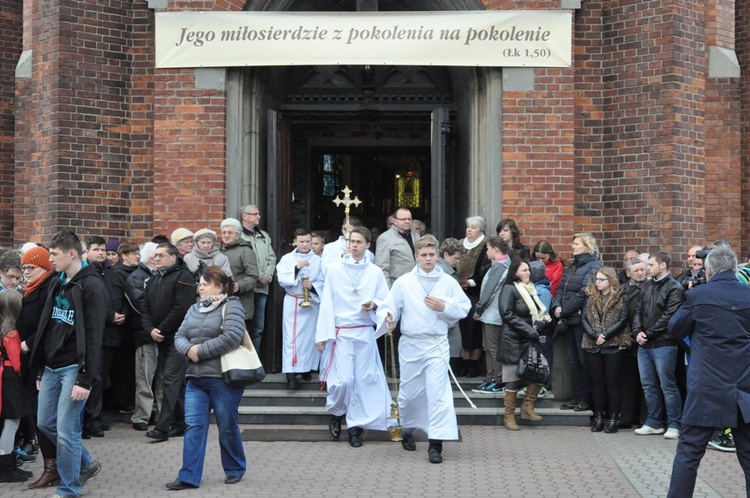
26	247
112	245
38	256
179	234
204	232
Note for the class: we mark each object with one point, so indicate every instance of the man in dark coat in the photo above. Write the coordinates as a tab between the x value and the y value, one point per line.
169	294
716	316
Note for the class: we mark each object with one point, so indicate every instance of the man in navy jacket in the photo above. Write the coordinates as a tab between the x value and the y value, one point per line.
716	316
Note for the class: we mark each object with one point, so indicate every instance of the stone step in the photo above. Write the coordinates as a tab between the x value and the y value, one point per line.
313	415
278	397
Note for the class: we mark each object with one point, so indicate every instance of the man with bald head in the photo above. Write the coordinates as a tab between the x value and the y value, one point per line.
623	275
688	277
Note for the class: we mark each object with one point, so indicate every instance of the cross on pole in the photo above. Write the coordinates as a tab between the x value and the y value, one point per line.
347	201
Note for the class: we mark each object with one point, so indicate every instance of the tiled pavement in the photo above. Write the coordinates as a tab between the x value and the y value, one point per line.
534	462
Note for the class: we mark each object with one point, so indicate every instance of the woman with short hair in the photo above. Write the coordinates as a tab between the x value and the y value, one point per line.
212	327
472	266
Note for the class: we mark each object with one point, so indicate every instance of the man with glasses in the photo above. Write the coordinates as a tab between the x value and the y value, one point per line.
395	247
261	243
169	294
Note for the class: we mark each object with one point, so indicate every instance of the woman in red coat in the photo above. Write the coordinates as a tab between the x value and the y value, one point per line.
553	265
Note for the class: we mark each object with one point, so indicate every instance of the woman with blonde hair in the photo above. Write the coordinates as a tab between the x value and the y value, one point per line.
567	304
605	322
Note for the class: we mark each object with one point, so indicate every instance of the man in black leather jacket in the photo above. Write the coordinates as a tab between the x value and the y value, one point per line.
660	298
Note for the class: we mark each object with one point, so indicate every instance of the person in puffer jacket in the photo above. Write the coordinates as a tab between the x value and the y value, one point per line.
568	303
212	327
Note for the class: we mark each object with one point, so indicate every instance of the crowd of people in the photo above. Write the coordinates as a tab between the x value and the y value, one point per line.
106	324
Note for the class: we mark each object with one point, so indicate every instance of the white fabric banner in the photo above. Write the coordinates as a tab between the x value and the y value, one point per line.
530	38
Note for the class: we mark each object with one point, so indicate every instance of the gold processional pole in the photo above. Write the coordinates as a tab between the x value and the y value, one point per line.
347	201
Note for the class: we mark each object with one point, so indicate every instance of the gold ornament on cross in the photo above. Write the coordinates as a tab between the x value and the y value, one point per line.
347	201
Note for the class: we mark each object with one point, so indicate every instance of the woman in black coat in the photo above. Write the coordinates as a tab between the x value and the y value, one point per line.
523	314
568	302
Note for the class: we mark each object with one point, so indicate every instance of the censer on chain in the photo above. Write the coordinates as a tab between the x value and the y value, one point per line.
396	429
305	276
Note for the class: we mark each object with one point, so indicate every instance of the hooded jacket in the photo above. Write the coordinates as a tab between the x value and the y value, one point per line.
214	257
72	325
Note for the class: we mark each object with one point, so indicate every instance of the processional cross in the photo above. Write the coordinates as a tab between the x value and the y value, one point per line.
347	201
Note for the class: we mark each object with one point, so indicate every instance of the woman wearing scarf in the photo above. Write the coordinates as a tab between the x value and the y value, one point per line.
605	323
523	315
37	270
471	269
212	327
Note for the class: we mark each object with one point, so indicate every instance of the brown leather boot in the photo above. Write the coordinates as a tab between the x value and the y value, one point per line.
510	411
527	408
49	476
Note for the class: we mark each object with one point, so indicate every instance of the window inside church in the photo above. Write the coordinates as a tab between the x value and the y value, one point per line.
408	190
330	177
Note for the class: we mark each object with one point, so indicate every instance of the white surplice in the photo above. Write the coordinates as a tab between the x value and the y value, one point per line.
425	396
334	251
354	375
299	353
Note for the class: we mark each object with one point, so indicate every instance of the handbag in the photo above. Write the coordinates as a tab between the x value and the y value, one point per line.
533	366
241	367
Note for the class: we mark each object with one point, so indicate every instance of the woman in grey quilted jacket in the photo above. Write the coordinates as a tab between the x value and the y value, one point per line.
212	327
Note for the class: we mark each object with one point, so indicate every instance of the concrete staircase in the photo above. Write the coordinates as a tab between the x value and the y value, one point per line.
269	403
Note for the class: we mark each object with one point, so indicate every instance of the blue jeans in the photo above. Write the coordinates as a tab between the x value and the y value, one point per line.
201	395
259	320
59	418
657	366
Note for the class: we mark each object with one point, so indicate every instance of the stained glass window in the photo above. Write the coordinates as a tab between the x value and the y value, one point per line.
329	176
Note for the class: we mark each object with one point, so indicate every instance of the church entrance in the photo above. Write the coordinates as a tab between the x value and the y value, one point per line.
395	135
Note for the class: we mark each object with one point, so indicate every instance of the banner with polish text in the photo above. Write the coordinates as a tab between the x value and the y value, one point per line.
529	38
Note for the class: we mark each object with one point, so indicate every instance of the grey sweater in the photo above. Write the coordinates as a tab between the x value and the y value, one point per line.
214	339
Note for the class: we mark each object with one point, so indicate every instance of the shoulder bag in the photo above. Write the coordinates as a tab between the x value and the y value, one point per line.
241	367
533	366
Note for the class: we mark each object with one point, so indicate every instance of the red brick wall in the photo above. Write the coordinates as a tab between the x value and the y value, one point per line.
10	50
742	21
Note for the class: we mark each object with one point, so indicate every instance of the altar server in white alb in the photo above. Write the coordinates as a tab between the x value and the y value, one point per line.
297	271
427	301
356	382
334	251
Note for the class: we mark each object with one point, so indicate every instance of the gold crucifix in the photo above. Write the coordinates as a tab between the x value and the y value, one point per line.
347	201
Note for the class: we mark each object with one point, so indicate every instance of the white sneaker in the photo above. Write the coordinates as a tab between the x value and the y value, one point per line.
672	434
649	431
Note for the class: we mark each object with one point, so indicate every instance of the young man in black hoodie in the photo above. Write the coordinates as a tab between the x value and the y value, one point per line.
169	294
66	351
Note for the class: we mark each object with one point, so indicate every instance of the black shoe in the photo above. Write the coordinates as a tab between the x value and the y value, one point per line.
307	377
92	471
598	422
85	435
291	382
139	426
408	442
158	434
570	405
178	485
355	437
106	428
176	432
473	369
435	452
95	432
582	407
334	426
232	480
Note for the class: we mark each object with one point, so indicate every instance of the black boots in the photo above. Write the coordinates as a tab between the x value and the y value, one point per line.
9	471
334	426
291	381
355	437
435	451
408	442
598	422
612	423
472	368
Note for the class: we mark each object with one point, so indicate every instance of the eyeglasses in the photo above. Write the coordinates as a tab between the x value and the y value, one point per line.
253	214
601	279
28	268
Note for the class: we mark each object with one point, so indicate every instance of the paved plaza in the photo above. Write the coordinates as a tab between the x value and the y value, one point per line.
490	461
